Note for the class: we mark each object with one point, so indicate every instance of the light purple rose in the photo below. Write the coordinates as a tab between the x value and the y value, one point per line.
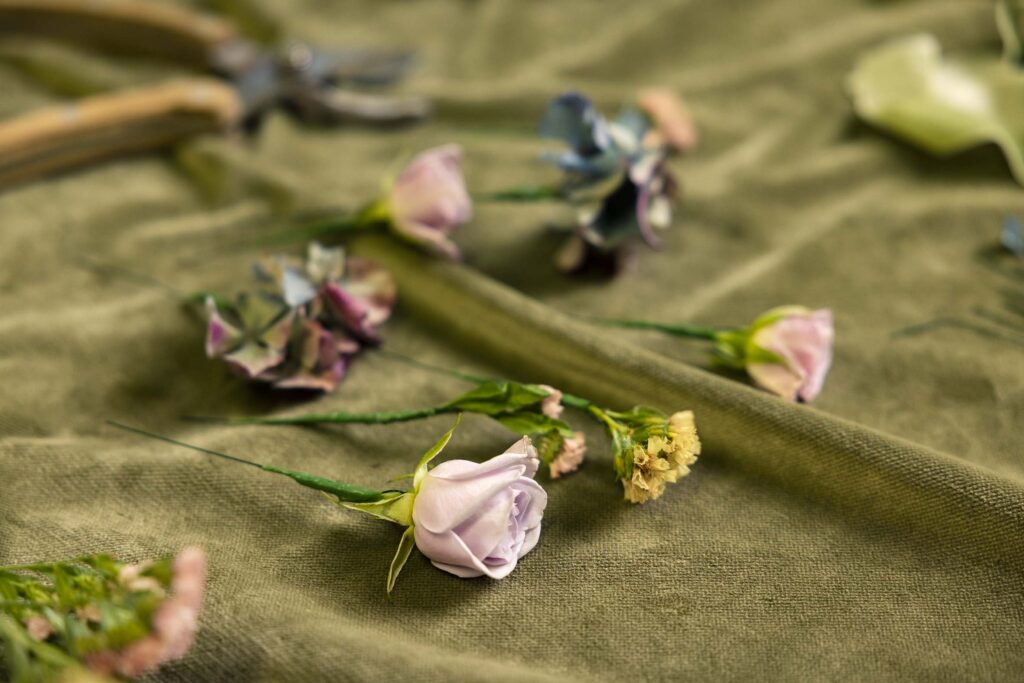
429	199
802	340
473	519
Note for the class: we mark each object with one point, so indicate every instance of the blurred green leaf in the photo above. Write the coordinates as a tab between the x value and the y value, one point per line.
943	106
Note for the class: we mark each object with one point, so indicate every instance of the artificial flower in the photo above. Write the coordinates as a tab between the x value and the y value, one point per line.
617	176
669	444
789	351
474	519
786	350
470	519
429	199
528	409
423	206
112	618
302	329
650	449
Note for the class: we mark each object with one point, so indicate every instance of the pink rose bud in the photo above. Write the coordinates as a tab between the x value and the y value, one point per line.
673	124
552	404
429	198
570	457
802	339
473	519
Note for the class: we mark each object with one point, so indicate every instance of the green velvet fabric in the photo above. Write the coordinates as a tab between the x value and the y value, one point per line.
878	535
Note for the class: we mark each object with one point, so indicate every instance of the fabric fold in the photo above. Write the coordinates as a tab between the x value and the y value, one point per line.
804	450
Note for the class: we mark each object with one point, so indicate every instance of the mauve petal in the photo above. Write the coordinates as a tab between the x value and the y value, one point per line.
220	336
804	342
443	504
350	309
538	501
532	536
429	198
517	461
461	572
374	285
452	553
821	360
524	447
488	527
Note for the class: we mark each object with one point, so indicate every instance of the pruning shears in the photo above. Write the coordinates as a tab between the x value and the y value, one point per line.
244	80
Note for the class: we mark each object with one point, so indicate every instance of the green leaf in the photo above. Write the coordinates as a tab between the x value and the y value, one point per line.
1010	22
405	547
396	508
941	105
491	398
640	415
421	468
533	423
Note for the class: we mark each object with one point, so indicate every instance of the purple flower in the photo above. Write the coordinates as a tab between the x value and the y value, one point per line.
303	334
429	199
251	334
473	519
616	173
798	342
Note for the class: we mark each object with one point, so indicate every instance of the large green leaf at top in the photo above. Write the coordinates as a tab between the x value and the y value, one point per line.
942	105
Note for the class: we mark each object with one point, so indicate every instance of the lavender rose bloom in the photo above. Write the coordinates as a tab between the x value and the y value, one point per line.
802	341
473	519
429	199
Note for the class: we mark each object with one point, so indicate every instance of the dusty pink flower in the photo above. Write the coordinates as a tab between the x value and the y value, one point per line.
570	457
473	519
673	124
38	627
552	405
174	624
429	199
802	340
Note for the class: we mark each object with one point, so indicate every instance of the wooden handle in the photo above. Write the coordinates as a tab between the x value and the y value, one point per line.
126	26
94	128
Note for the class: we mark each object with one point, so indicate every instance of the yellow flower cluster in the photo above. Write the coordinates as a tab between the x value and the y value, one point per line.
663	459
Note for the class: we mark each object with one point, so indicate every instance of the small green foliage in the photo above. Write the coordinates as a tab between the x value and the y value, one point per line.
86	605
495	398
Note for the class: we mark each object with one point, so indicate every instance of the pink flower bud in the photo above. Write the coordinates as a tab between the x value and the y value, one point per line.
802	339
429	199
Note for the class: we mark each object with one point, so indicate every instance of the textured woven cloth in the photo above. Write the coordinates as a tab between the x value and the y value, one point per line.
878	535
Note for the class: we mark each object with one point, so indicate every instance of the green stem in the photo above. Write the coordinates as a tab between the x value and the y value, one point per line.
612	425
677	329
339	417
523	193
347	493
